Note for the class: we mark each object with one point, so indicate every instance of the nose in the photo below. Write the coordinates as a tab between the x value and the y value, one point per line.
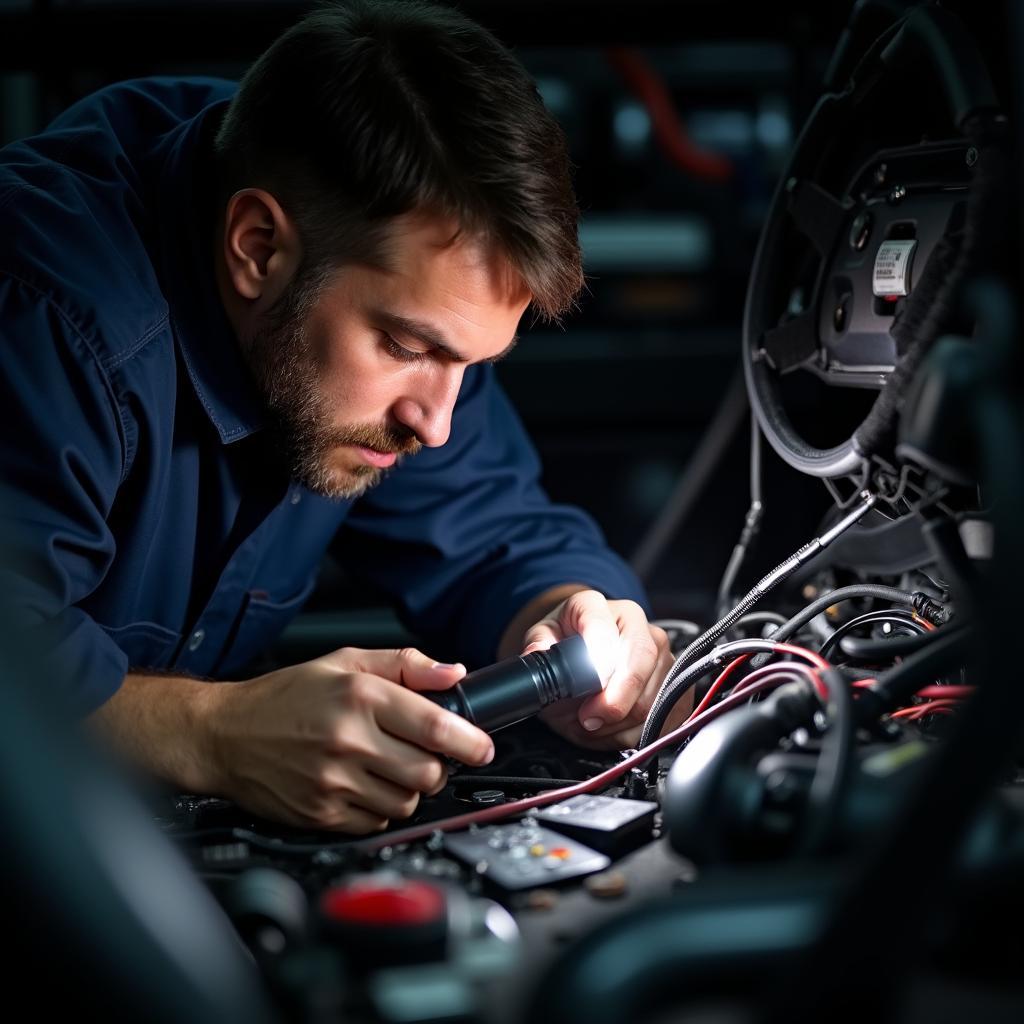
426	408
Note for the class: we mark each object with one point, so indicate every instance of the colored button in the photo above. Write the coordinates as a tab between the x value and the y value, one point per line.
407	904
561	853
537	850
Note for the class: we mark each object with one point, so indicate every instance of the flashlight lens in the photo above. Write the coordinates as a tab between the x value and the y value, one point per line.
603	647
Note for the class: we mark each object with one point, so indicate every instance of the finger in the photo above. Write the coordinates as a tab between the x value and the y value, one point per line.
354	821
408	666
381	796
409	716
590	614
408	766
637	665
542	635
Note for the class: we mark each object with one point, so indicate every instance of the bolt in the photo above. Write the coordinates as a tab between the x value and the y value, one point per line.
972	156
897	192
839	317
860	232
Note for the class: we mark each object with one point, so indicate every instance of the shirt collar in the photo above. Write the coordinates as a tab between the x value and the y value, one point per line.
205	337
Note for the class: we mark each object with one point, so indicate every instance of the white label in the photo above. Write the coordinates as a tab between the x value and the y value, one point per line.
892	267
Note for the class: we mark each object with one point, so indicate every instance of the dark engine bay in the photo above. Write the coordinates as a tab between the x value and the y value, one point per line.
837	830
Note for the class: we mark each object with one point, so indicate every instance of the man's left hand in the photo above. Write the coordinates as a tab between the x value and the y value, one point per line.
631	656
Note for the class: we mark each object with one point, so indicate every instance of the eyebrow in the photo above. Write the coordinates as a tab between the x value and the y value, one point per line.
430	335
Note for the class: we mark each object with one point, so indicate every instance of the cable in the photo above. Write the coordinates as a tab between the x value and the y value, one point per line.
719	683
880	615
677	626
856	590
669	130
751	524
897	686
760	618
832	770
863	649
510	781
766	584
672	691
599	781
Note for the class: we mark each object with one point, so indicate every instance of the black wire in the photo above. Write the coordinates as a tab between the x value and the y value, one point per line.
947	648
864	649
816	607
760	618
832	770
751	523
880	615
510	782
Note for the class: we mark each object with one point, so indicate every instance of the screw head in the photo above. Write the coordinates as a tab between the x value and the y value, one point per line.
839	317
860	231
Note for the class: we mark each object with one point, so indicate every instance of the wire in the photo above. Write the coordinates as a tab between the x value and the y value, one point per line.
719	683
870	650
496	813
511	781
943	692
672	690
795	668
856	590
759	619
881	615
751	523
677	626
767	583
896	686
652	92
832	771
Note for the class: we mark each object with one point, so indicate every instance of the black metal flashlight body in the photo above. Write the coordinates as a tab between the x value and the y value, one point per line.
512	690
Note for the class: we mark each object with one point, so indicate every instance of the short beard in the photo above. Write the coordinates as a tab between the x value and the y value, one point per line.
280	359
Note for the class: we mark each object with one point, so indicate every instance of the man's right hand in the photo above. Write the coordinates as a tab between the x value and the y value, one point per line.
335	744
343	742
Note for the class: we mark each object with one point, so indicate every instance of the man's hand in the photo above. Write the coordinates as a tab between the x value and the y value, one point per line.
631	656
335	744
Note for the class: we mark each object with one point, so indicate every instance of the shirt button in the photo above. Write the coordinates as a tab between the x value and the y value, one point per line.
196	639
296	497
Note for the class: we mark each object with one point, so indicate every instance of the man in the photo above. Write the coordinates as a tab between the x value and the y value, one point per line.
226	319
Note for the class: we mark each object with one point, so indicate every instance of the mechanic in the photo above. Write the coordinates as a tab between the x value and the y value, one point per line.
243	325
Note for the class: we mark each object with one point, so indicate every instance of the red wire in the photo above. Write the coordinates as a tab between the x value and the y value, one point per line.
917	710
941	692
668	129
553	796
789	666
718	683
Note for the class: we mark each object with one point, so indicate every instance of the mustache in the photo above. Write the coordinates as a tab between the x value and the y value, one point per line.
397	440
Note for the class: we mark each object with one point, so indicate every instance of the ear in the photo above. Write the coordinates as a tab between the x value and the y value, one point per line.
261	246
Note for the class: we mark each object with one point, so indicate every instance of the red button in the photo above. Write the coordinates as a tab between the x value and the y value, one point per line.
407	904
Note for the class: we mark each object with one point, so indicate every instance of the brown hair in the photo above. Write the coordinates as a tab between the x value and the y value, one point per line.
363	112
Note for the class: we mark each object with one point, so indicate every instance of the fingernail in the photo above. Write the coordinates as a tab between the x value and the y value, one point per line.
592	724
446	666
489	756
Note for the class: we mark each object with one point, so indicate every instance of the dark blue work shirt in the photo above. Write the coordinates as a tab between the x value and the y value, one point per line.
154	525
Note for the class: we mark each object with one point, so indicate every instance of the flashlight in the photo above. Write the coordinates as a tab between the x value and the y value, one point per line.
512	690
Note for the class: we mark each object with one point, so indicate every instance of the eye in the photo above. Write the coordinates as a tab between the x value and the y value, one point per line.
400	352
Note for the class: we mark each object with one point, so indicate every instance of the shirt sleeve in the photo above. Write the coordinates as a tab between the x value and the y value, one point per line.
463	536
61	457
